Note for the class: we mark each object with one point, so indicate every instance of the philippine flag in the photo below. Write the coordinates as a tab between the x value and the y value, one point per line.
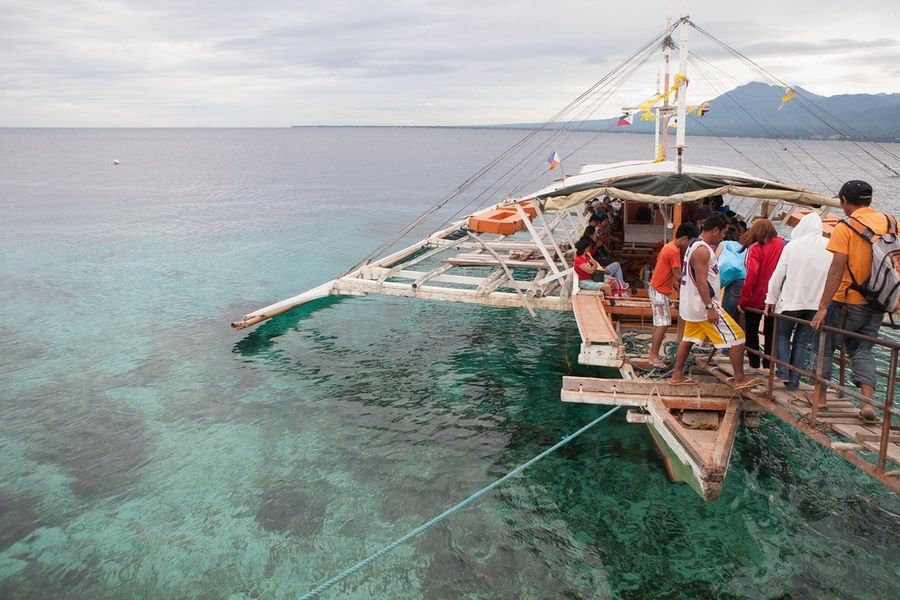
553	160
625	119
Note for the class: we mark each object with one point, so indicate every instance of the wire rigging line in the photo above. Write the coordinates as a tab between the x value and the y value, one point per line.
787	140
558	137
621	73
805	102
508	152
851	158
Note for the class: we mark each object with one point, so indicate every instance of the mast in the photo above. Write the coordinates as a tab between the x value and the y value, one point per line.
663	111
656	142
682	91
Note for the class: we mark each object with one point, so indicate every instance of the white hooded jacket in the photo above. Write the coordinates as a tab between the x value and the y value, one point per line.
799	276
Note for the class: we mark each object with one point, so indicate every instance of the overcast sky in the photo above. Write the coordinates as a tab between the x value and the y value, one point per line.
406	62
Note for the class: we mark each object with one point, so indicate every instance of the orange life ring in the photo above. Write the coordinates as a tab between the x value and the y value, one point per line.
504	220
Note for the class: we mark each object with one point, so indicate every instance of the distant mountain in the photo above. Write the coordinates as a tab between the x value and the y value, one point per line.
752	110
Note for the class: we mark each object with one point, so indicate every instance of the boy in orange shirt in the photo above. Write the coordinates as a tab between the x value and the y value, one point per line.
664	285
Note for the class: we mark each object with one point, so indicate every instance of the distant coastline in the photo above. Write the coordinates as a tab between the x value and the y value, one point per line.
753	110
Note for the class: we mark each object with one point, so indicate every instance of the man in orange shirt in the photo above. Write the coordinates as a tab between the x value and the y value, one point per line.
664	284
842	306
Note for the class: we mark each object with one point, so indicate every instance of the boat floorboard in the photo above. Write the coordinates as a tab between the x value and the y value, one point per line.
839	416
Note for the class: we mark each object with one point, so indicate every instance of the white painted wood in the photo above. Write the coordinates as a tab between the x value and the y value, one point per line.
512	279
257	316
537	239
351	286
633	416
658	413
549	232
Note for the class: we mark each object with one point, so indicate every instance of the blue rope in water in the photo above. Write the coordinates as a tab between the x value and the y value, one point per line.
363	563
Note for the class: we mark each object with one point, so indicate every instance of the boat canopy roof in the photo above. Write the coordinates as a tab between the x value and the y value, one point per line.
659	183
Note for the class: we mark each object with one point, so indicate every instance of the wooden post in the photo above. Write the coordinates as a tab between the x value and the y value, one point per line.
820	391
775	325
887	414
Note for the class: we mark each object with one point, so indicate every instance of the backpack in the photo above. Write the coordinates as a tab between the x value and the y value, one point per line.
882	289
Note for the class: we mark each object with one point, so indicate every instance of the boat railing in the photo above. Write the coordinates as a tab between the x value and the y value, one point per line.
822	385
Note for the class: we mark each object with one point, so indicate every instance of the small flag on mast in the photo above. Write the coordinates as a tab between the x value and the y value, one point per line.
625	119
553	160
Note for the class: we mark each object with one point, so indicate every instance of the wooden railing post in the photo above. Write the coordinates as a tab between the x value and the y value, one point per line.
887	421
820	391
843	372
775	325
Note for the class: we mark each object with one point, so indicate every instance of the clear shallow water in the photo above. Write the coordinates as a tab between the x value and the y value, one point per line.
146	450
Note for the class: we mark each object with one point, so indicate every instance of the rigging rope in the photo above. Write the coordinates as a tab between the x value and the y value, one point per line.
637	344
786	139
637	60
805	102
455	508
508	152
775	155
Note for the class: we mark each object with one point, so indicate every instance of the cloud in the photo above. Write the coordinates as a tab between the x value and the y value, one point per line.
279	62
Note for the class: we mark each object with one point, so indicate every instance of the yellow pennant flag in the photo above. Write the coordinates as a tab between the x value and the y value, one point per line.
789	94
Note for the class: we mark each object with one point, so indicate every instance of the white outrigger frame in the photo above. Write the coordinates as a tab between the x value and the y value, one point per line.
396	275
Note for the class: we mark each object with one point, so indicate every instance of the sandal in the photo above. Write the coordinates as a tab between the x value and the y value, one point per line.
685	381
751	383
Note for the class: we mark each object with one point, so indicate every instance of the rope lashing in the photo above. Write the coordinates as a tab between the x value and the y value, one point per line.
421	528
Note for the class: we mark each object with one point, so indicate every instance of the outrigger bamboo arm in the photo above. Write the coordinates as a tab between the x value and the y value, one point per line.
326	289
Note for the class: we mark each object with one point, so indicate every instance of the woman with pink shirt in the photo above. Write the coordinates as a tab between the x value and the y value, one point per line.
764	247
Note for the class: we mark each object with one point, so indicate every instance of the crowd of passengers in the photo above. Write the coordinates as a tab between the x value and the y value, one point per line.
717	268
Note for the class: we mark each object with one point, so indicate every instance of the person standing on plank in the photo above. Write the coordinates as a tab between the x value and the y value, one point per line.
843	305
699	307
665	284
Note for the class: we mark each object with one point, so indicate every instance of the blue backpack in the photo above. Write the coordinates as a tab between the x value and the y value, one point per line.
731	263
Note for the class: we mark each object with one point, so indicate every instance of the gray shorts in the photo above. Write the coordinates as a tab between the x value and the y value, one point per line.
660	305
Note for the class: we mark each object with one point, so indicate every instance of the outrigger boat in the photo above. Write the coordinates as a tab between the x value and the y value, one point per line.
518	253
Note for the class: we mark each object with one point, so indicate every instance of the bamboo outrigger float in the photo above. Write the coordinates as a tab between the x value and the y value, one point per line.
518	253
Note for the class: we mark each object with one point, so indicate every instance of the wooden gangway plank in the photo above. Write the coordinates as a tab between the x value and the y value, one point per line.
594	324
839	417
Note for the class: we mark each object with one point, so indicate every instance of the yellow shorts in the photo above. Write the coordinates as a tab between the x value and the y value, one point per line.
724	334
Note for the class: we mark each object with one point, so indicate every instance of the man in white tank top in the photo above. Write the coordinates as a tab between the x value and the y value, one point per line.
699	306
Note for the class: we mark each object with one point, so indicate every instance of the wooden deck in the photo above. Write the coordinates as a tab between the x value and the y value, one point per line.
693	425
697	455
838	419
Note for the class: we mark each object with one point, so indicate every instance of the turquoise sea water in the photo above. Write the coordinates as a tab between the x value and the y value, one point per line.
148	451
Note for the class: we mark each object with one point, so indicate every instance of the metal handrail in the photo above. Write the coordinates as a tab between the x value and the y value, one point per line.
822	384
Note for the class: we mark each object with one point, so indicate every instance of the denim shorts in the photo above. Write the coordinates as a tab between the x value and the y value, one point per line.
857	318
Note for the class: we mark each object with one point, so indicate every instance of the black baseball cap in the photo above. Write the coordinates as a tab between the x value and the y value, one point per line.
856	191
